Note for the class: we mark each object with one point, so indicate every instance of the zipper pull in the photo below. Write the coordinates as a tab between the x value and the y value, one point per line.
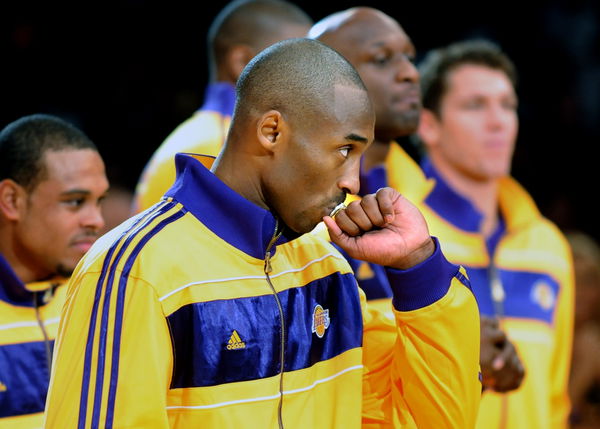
498	294
268	267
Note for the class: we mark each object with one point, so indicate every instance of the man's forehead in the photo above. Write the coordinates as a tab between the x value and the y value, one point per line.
72	164
66	155
364	30
350	101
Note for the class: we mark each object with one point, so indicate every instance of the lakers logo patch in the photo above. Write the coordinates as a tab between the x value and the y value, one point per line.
543	295
235	342
320	320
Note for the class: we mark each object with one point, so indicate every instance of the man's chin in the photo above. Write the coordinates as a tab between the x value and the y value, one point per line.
64	270
303	228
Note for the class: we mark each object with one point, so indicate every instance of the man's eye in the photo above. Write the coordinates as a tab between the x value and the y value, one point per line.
381	60
74	203
473	104
344	151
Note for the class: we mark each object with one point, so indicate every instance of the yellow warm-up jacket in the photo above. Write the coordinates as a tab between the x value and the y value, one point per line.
528	269
203	312
29	315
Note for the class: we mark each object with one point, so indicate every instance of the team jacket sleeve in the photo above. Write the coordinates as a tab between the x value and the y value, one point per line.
112	354
561	361
423	372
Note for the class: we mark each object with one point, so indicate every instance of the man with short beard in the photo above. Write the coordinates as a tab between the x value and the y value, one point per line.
51	182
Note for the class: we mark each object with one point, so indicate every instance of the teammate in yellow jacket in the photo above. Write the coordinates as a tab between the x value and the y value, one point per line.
519	262
241	30
214	309
51	182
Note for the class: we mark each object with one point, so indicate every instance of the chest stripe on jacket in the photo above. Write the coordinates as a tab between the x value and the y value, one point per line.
233	340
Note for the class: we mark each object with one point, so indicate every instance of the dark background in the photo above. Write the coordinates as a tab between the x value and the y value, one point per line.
129	72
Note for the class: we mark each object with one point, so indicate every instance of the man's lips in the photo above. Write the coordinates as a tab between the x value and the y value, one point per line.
84	243
410	95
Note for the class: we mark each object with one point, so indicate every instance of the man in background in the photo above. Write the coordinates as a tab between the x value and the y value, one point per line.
52	180
519	262
240	31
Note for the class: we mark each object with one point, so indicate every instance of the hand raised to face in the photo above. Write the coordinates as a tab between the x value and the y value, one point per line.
383	228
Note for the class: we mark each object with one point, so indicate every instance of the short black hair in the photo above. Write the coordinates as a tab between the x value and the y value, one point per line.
24	142
439	63
251	22
295	77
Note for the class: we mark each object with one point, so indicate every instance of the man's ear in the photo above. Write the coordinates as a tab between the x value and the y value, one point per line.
271	130
429	128
237	58
12	199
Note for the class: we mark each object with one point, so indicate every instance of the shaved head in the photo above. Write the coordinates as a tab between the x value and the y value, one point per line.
297	77
339	25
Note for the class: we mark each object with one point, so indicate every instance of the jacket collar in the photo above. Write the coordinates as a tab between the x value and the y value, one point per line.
219	97
15	292
452	206
233	218
516	206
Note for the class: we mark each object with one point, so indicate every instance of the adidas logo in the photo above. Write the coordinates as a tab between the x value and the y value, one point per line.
235	342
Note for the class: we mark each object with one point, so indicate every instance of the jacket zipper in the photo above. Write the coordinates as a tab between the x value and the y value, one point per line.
268	269
40	322
498	297
497	290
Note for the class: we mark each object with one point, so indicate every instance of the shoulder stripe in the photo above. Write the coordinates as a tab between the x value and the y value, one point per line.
106	311
85	383
463	279
120	309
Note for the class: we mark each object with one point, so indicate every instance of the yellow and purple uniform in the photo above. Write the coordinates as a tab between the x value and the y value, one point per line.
204	132
523	274
203	312
28	324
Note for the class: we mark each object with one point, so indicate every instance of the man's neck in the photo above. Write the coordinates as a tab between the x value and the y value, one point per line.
11	256
482	194
233	172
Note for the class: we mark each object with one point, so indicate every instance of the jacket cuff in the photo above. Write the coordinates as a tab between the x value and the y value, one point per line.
423	284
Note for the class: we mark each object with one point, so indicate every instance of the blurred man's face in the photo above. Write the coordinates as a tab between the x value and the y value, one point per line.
477	124
61	217
383	55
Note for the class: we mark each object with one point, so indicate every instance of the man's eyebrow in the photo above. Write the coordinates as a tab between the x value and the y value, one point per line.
76	192
357	138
